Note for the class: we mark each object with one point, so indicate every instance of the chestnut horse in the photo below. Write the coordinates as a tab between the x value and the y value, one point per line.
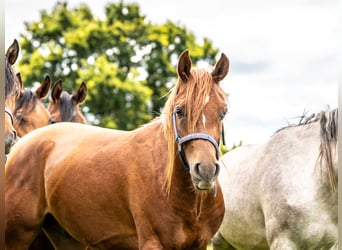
30	113
64	107
151	188
12	89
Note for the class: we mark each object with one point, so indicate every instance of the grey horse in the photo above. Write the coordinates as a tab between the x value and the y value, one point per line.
283	194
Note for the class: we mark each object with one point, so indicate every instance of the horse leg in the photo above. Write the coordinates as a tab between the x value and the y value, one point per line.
41	242
25	211
21	229
282	242
335	246
152	245
60	239
219	243
25	197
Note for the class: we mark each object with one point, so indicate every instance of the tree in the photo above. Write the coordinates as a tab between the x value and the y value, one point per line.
128	63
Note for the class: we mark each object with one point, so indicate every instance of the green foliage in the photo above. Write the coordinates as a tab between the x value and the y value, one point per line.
128	63
224	148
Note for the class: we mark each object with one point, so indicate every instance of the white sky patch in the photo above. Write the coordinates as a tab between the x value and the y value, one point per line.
283	54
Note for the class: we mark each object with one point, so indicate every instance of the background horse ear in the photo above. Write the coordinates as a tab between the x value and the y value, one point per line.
44	87
184	66
57	91
81	93
221	68
20	80
13	52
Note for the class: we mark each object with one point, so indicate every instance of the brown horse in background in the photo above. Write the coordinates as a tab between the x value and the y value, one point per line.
151	188
64	107
12	89
30	113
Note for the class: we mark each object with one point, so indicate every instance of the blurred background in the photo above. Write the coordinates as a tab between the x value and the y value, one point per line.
283	56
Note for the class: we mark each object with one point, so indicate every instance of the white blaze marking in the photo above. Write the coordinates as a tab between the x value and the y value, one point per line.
203	116
206	99
203	119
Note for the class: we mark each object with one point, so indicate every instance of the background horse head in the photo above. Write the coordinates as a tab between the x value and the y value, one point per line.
30	113
12	89
283	194
106	188
64	107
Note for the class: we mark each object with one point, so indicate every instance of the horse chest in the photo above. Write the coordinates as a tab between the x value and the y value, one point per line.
190	228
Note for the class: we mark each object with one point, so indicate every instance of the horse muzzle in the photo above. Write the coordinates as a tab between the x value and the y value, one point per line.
10	140
204	176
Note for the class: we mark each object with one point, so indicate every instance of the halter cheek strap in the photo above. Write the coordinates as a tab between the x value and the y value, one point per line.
190	137
7	111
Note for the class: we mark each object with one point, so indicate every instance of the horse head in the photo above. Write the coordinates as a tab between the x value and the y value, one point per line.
64	107
194	114
30	113
12	87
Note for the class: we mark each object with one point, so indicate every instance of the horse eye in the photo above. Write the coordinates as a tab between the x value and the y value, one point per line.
20	118
223	114
179	112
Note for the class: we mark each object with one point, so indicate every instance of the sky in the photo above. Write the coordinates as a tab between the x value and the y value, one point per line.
283	54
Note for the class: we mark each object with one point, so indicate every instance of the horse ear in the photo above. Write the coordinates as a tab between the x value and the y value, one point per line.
57	91
81	93
44	87
184	66
221	68
13	52
20	80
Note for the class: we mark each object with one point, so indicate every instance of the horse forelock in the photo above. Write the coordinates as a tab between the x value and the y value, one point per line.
68	109
192	96
28	99
328	134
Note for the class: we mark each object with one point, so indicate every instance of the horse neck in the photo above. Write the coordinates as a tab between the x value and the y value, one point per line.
327	168
327	158
317	166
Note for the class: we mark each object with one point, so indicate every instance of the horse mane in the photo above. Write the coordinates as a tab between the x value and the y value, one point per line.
303	120
67	110
198	88
328	135
27	97
11	81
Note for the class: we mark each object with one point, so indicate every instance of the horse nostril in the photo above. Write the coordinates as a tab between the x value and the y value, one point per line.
206	171
14	135
51	121
196	169
217	169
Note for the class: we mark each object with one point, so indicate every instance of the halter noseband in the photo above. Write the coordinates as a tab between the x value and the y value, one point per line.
190	137
7	111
